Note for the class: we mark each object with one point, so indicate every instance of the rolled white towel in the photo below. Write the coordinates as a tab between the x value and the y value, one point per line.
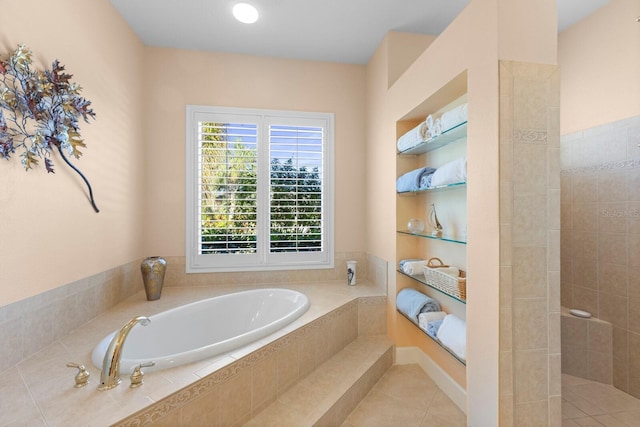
454	117
413	268
429	121
425	318
450	173
453	335
412	138
435	129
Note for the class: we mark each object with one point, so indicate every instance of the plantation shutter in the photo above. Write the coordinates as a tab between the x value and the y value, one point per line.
259	189
227	187
296	169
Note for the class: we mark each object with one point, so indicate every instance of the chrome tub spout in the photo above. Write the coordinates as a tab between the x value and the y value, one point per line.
110	375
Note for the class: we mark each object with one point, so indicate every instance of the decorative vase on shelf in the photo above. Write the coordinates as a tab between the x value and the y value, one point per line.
435	224
153	269
415	225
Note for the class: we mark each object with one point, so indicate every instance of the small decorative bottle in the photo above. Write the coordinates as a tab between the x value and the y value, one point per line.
351	272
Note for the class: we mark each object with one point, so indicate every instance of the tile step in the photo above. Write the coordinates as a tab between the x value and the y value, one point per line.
329	394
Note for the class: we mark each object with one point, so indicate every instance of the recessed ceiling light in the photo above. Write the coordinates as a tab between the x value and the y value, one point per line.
245	13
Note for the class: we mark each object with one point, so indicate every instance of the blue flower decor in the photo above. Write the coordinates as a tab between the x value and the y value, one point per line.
39	112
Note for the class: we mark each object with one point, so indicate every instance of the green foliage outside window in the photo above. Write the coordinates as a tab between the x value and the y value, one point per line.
228	198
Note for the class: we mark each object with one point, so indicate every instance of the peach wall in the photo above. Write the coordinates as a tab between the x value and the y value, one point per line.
403	49
176	78
599	59
49	233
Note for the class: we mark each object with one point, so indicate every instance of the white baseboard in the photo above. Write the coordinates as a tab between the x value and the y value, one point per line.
407	355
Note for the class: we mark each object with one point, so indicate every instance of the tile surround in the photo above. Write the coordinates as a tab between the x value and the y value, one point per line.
42	386
65	320
601	235
31	324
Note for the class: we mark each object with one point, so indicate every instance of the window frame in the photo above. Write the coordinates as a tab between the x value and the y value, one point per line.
263	260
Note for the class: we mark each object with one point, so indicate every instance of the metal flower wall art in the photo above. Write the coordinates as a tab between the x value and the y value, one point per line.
40	112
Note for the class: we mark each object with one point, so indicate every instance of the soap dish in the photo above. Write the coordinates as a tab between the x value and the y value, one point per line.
580	313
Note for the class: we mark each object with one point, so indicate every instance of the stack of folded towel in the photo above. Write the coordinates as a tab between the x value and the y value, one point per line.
415	180
411	303
412	267
450	173
413	138
452	333
454	117
432	127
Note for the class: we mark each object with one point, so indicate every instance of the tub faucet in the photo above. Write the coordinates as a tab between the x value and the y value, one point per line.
110	375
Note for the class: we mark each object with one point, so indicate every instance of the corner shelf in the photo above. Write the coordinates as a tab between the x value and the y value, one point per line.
421	279
437	189
436	340
429	236
446	137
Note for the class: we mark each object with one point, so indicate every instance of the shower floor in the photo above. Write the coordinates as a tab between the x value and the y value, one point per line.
589	403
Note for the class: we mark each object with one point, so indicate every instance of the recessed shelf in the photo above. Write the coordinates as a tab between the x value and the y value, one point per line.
421	279
452	239
434	189
436	340
446	137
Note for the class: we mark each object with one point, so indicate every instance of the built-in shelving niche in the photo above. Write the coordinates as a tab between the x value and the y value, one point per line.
414	204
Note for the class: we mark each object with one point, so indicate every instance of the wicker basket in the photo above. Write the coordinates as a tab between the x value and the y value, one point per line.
455	286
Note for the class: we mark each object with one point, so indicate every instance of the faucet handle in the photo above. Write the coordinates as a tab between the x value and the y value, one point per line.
137	374
82	377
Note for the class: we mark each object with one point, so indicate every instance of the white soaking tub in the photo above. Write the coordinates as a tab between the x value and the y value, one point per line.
206	328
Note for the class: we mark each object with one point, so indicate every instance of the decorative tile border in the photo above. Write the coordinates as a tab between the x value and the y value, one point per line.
604	167
619	213
530	136
373	301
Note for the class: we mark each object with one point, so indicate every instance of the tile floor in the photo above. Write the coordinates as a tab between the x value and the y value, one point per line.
406	396
587	403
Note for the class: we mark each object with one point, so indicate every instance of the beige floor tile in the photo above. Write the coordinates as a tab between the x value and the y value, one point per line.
410	383
609	420
588	403
589	408
587	422
569	380
628	418
381	410
433	420
569	411
444	408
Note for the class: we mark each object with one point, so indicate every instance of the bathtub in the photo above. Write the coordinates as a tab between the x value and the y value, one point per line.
206	328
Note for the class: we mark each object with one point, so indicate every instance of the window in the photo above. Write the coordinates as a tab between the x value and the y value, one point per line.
259	189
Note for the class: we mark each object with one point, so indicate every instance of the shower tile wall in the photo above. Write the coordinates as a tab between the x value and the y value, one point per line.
600	237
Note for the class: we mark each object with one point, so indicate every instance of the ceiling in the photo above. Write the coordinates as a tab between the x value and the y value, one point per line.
345	31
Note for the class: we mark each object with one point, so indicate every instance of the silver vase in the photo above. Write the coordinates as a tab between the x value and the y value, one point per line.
153	269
